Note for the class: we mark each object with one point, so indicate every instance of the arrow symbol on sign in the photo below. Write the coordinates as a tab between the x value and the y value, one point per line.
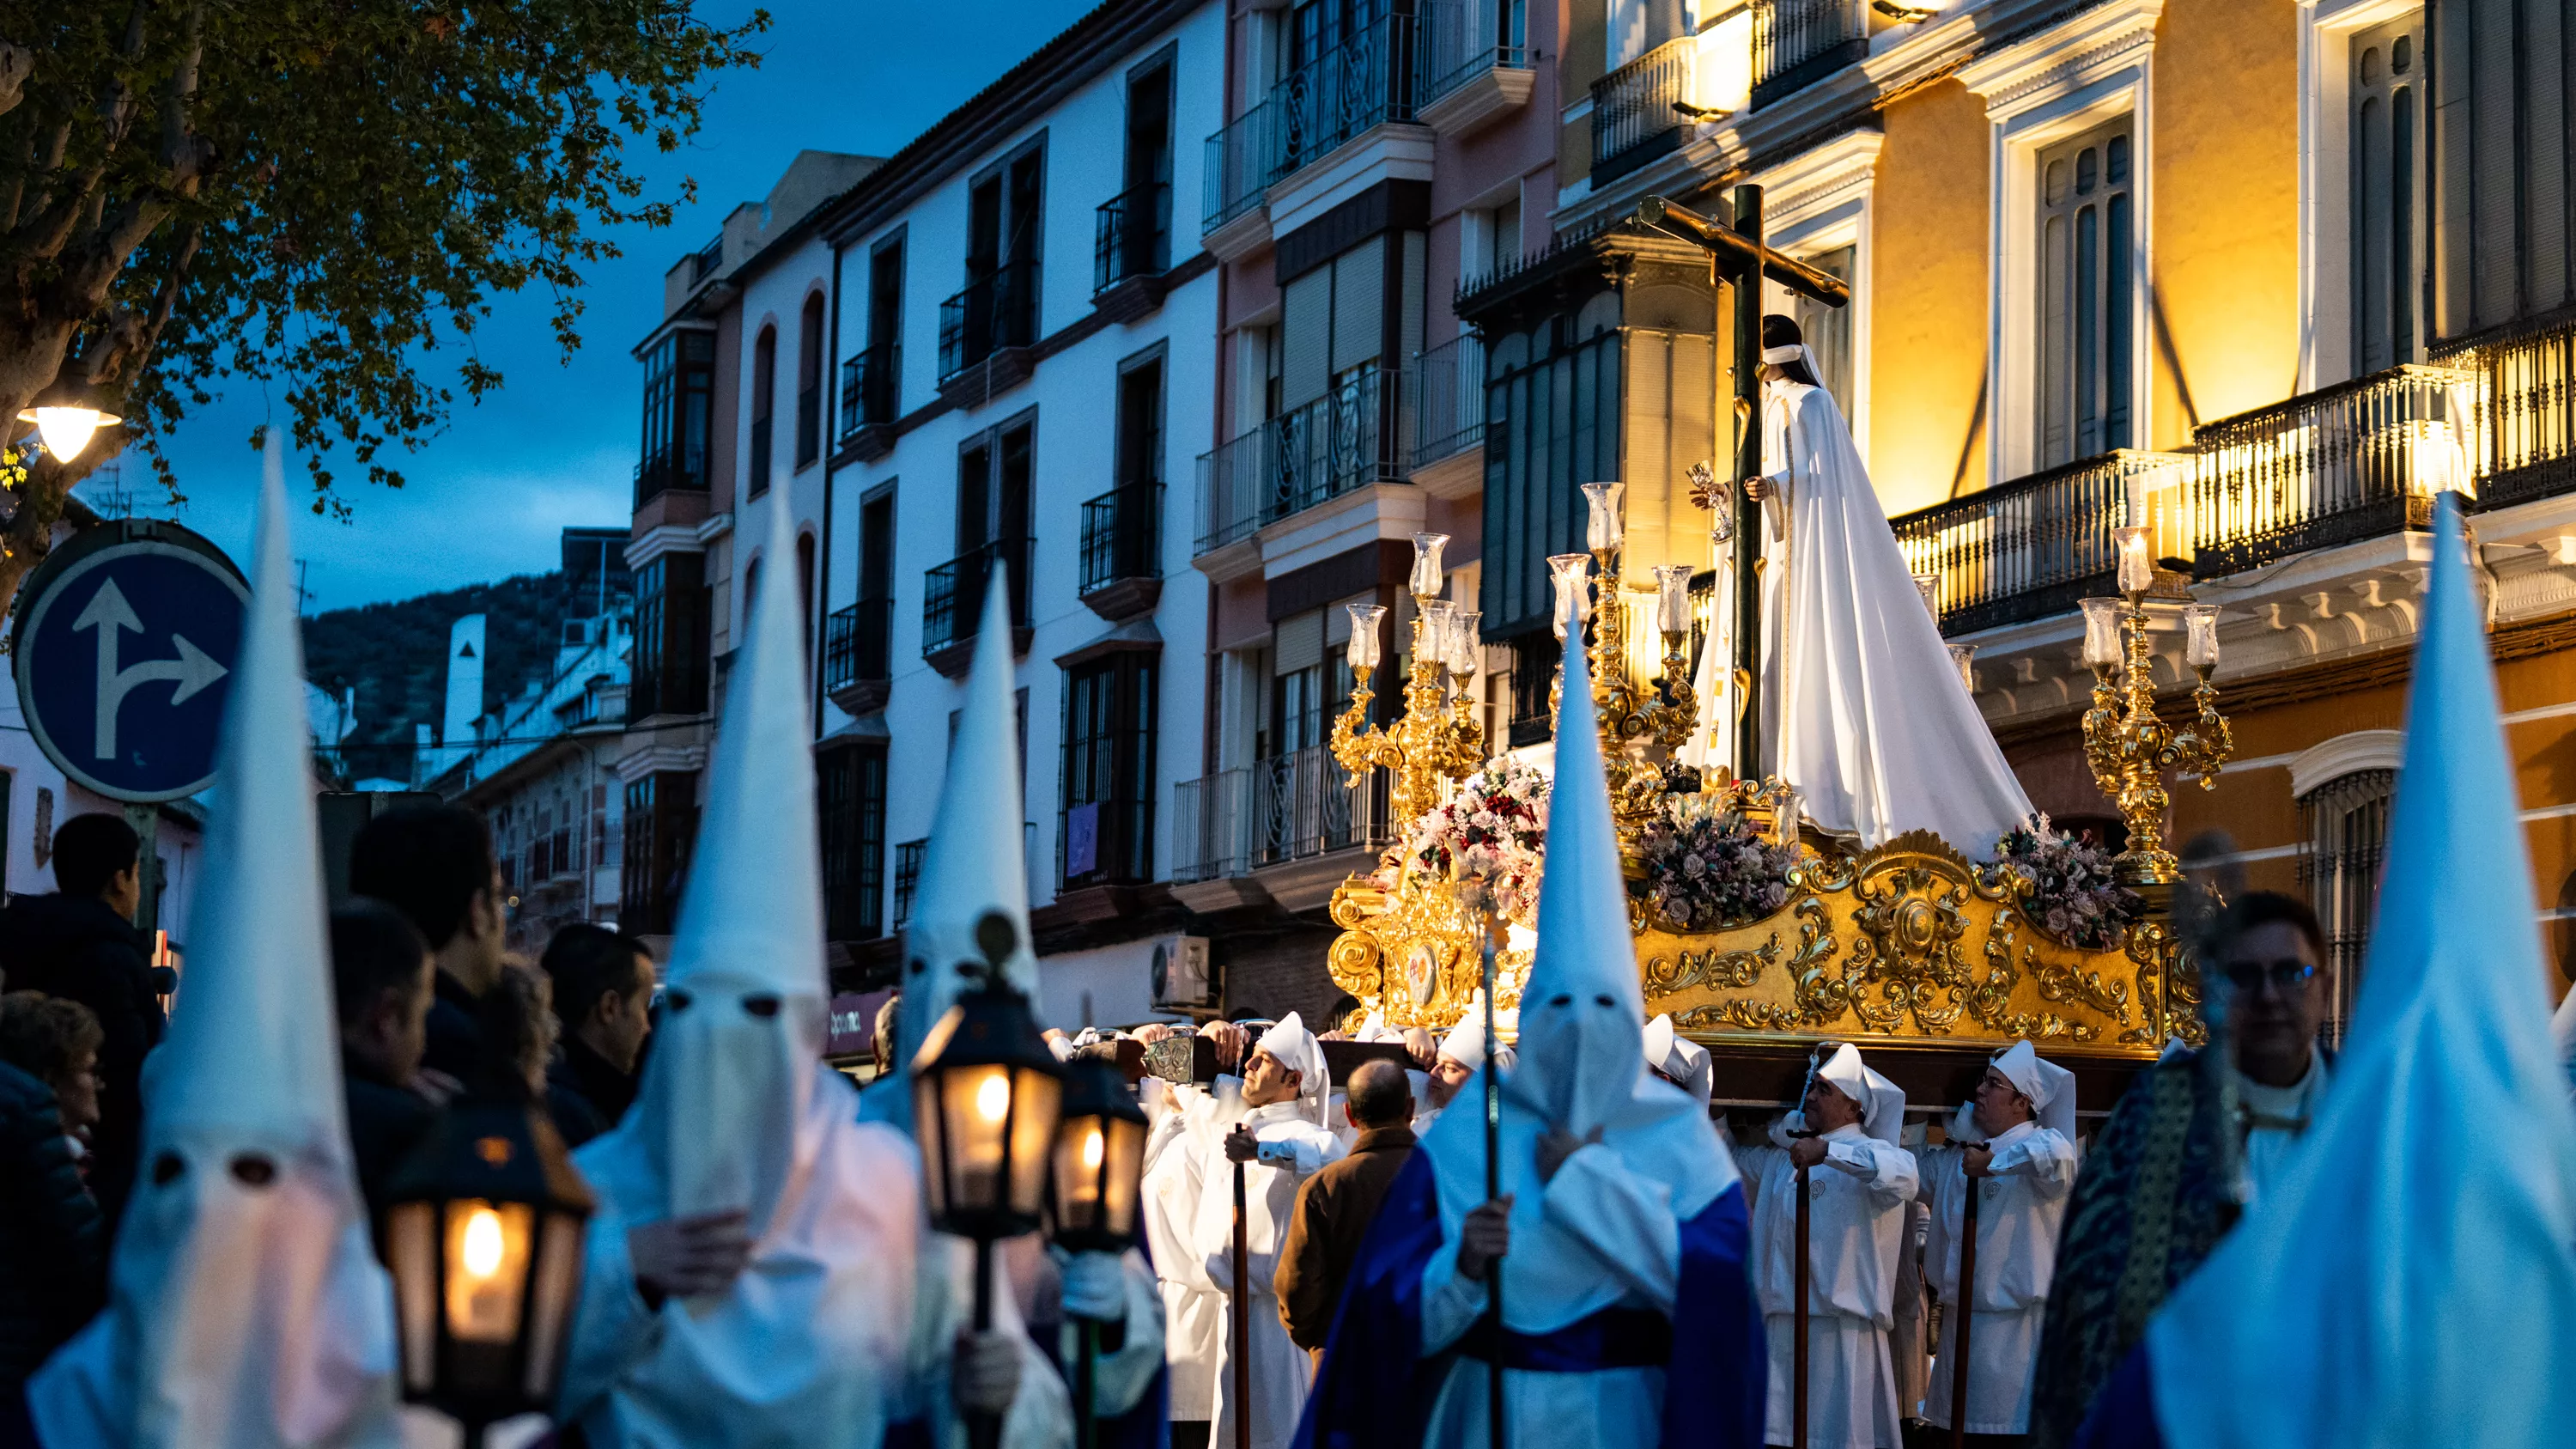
108	612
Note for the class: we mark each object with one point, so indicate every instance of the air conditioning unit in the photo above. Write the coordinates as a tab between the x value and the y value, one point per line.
1180	974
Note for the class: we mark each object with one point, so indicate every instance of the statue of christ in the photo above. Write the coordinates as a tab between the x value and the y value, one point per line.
1863	711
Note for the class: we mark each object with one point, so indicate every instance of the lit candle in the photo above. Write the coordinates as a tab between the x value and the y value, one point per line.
1363	646
1672	598
2102	633
1604	528
1929	586
1572	573
1426	564
2137	567
1466	642
1964	657
2200	636
2437	458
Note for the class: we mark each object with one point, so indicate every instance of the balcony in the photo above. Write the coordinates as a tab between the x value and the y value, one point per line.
868	400
2031	547
1473	64
858	656
1292	821
1122	551
952	603
907	878
1449	415
1365	81
2526	380
992	320
1211	827
1335	444
1131	248
2329	468
1633	120
1799	42
683	469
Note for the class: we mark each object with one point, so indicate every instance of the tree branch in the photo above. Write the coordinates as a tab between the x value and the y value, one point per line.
17	63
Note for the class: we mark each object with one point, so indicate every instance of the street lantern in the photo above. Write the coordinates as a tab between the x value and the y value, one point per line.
66	414
483	1234
985	1098
1099	1161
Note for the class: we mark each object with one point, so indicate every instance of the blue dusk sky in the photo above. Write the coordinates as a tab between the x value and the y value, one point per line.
556	446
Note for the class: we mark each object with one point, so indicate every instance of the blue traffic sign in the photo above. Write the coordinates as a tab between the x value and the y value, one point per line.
124	655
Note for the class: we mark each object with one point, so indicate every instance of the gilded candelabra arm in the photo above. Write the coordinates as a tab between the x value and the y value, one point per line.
1357	744
2206	746
1680	709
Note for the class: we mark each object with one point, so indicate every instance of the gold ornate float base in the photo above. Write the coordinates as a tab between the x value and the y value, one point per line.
1905	943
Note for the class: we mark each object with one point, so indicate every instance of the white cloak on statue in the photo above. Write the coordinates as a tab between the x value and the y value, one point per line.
1862	710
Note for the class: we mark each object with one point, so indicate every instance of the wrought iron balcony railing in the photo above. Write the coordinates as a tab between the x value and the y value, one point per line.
1799	42
868	387
681	468
1461	41
1212	827
1633	120
1448	399
1122	535
952	600
1366	80
1334	444
2330	467
2526	385
858	644
1302	806
997	310
2032	546
1132	236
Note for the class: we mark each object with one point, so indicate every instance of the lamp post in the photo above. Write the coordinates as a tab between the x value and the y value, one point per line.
1099	1166
2127	745
483	1233
66	415
986	1097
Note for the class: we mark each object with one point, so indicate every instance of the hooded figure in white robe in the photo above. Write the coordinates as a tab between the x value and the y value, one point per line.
974	870
2021	1205
1176	1174
247	1309
1857	1219
737	1112
1863	711
1627	1318
1293	1141
1679	1060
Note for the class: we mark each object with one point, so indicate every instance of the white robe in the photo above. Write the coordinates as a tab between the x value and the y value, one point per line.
1857	1229
1862	710
1193	1305
2020	1210
1280	1370
835	1330
1626	1221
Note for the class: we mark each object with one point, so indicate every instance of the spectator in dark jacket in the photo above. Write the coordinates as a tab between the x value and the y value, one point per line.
80	944
1337	1204
380	987
603	995
53	1243
56	1042
434	864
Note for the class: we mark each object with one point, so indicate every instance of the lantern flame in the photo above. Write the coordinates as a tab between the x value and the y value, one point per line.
993	1099
482	1249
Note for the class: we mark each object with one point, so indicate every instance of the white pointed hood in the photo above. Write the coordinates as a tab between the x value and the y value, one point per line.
248	1308
2410	1276
1578	1066
1680	1058
722	1106
974	864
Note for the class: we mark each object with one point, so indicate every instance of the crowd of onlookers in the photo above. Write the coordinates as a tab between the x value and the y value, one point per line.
430	1006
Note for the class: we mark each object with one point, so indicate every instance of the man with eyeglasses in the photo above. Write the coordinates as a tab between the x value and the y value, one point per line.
2155	1194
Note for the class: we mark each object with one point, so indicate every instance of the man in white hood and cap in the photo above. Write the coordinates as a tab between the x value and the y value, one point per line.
1460	1057
2015	1148
743	1151
1271	1120
1618	1235
1860	1181
1677	1059
247	1308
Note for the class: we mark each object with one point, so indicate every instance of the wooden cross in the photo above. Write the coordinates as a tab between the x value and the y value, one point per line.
1739	259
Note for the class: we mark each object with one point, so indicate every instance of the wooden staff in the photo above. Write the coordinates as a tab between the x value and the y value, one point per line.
1963	1310
1493	1191
1798	1357
1242	1324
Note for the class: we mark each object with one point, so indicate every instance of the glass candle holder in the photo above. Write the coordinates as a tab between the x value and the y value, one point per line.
1672	598
1426	564
2137	563
1929	586
1603	528
1572	575
1363	646
2200	636
1963	657
2102	633
1436	617
1466	642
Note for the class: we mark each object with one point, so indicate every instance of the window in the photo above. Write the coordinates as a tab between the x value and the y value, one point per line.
1552	401
852	783
1134	229
998	307
1310	683
764	390
672	604
1108	828
872	381
805	589
994	475
661	823
1828	330
1121	529
679	394
2086	223
875	622
2345	822
809	383
2388	160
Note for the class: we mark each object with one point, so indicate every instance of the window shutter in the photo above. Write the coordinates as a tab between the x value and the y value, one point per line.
1305	337
1297	642
1359	305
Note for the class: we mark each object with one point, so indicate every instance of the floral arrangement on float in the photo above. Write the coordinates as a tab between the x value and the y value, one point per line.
1706	867
1494	826
2068	887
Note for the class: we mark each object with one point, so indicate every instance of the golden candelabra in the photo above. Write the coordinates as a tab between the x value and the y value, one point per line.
1634	716
2129	746
1437	741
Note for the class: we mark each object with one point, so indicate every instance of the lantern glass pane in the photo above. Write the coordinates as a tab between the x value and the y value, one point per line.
487	1269
411	1251
1081	1153
975	1105
1124	1170
928	1124
1041	1100
551	1300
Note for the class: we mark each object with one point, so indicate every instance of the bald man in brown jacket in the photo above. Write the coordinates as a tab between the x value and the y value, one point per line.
1337	1204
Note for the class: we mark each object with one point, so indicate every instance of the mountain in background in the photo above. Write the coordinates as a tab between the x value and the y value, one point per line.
395	655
